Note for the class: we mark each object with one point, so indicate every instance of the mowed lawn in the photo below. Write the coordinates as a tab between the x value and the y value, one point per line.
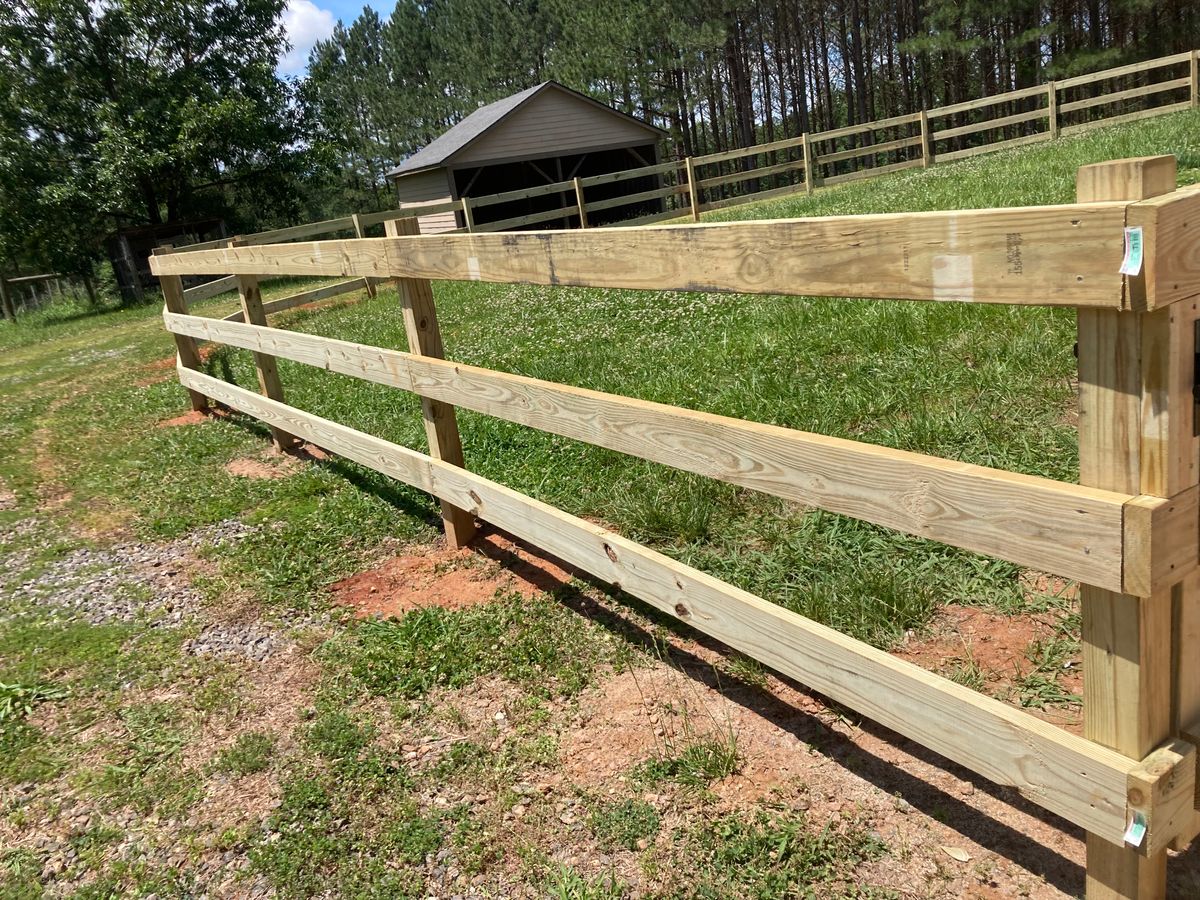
116	708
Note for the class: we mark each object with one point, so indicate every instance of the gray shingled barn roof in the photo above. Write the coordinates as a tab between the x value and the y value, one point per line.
442	148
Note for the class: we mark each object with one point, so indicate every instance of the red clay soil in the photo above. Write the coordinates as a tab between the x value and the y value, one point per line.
191	417
162	369
452	579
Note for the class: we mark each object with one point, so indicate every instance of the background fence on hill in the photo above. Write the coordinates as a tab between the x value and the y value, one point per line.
1129	533
808	161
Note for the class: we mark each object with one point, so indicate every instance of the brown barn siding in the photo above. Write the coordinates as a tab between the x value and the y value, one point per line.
552	124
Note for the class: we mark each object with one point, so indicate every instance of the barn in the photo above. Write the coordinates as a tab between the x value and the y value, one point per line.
543	135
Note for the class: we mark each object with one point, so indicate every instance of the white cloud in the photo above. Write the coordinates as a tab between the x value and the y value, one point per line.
305	24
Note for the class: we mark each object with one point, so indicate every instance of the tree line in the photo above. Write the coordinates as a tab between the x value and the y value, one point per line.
114	112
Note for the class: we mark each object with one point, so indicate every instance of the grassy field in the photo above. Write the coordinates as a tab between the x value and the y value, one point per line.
117	717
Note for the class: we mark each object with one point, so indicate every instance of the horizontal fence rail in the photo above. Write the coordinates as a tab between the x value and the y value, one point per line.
986	256
1122	543
802	163
1064	528
1068	775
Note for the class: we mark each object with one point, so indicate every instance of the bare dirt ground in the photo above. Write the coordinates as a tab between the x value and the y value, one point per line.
949	833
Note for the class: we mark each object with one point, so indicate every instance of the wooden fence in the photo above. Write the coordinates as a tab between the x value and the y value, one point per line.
699	183
1130	533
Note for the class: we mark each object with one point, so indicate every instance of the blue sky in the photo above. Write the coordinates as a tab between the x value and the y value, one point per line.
308	21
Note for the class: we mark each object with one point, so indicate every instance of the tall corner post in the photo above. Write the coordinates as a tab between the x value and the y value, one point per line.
1135	436
441	420
264	363
187	354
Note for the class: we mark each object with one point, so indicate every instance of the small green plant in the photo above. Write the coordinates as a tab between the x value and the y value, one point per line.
19	700
777	856
250	753
565	883
695	761
1040	687
626	823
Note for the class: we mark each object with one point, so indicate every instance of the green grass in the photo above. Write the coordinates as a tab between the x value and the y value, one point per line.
250	753
625	824
536	643
774	855
83	390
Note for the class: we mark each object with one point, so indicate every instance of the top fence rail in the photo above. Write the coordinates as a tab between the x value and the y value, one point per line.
804	162
1069	255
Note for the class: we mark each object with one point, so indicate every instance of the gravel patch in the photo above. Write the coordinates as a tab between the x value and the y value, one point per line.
131	582
138	582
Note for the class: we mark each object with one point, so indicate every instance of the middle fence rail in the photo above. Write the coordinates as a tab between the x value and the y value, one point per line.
1127	543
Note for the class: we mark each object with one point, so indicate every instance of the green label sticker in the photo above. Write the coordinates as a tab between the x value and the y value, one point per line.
1136	832
1132	264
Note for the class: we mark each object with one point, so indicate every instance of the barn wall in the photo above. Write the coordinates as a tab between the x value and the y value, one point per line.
552	121
425	186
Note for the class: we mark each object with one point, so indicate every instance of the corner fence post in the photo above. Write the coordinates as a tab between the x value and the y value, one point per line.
186	352
1135	436
441	420
264	363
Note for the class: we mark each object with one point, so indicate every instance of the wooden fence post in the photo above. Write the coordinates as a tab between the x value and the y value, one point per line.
186	352
808	172
359	232
1194	72
6	304
926	156
441	421
468	219
1135	436
264	363
693	191
583	223
1052	108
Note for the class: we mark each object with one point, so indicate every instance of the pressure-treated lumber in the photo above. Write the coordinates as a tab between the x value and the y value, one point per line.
952	155
967	105
1143	91
304	297
1131	438
1080	781
186	353
581	203
988	124
1130	69
1065	256
870	173
884	147
210	289
693	189
1171	269
441	421
625	200
1036	522
1127	117
264	363
361	232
